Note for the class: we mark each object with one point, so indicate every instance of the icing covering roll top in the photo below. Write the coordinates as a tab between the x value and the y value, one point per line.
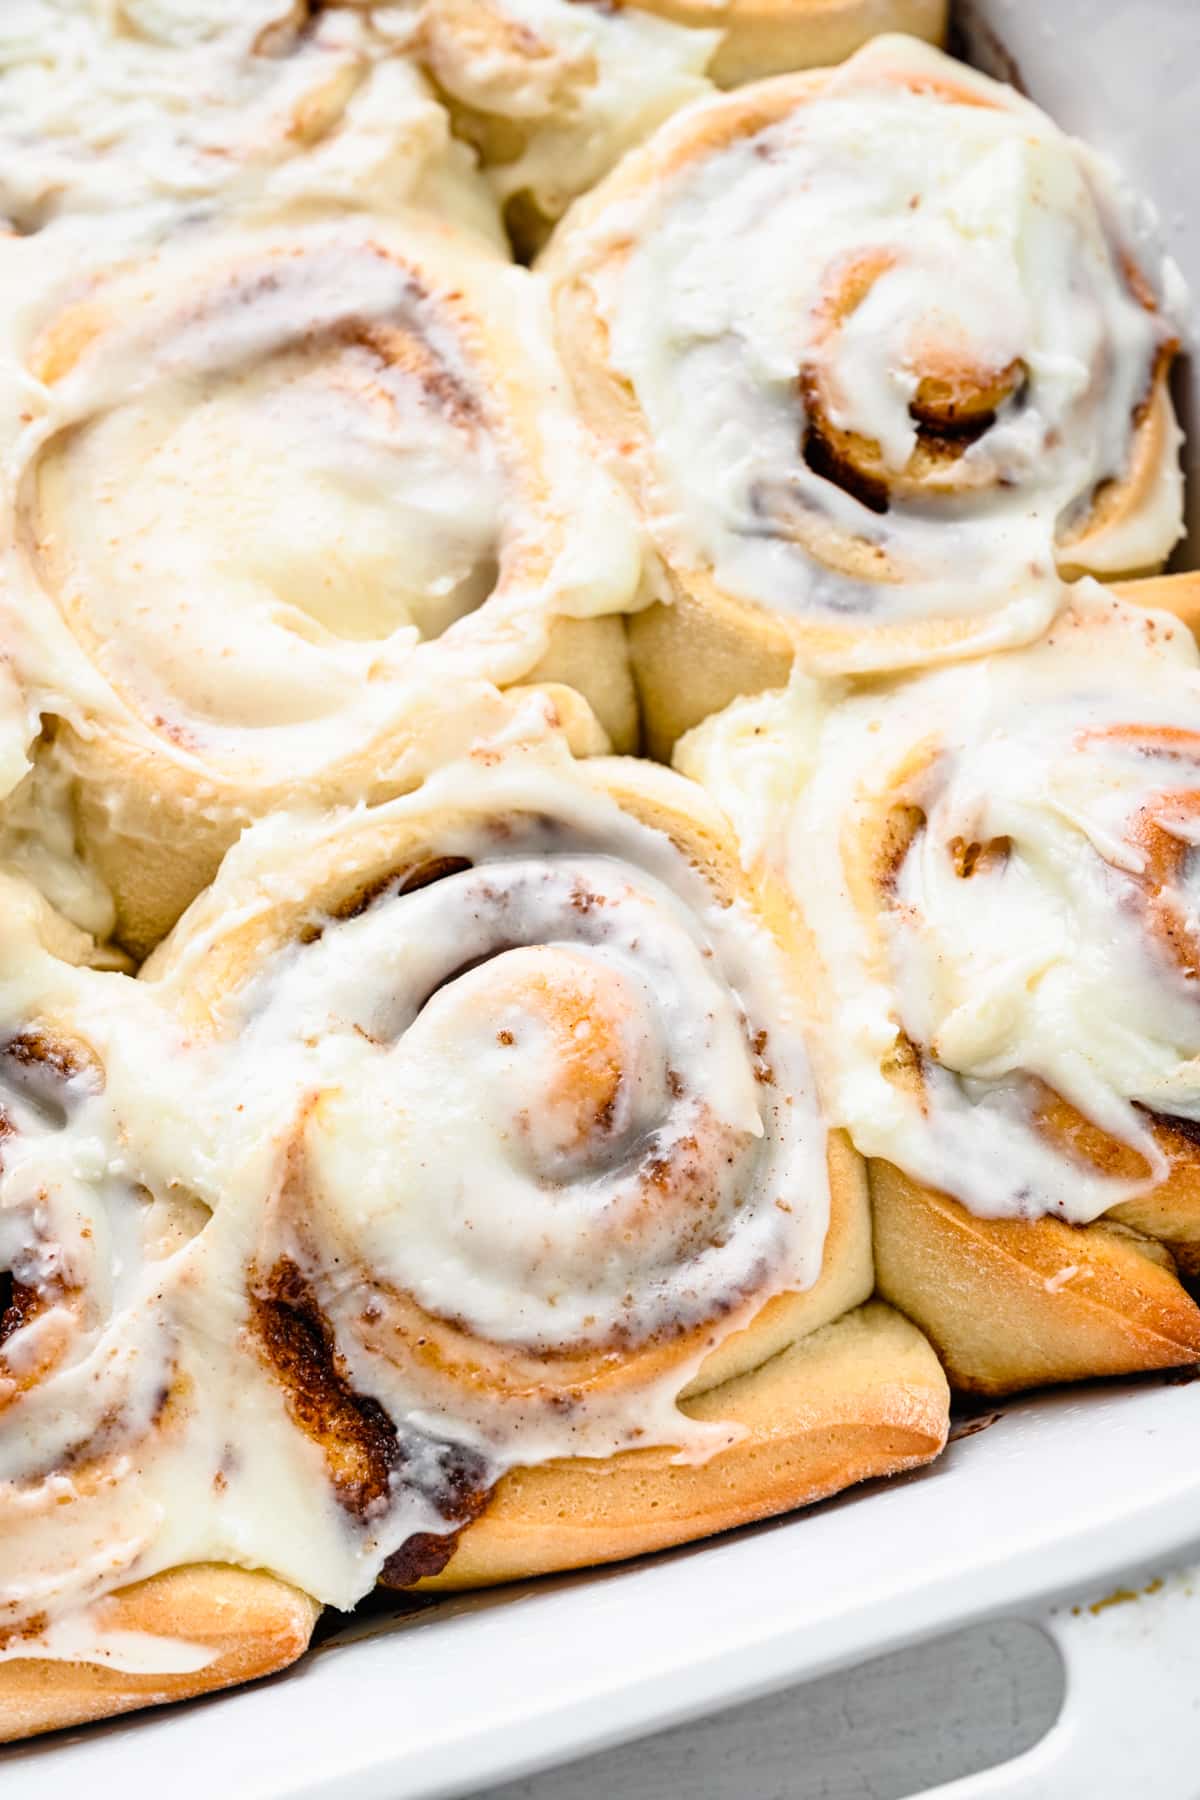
297	467
562	983
167	111
58	1281
463	1133
71	1248
272	491
1006	909
884	351
92	1375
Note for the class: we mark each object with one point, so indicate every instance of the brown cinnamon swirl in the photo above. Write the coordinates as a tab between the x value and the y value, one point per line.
547	1185
97	1386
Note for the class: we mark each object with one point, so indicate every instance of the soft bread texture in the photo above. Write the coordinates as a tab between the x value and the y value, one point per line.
861	1397
1018	1303
838	1376
827	1390
1015	1303
701	649
592	657
252	1624
694	656
893	819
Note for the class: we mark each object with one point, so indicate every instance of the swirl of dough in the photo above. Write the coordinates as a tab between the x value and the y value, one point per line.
280	487
546	1149
998	865
453	1170
173	111
1033	881
884	356
143	1454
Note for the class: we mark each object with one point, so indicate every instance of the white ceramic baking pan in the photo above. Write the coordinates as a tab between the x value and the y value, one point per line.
1059	1502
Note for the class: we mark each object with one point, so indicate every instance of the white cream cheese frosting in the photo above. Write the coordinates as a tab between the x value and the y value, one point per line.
273	485
1039	932
907	268
395	1110
175	110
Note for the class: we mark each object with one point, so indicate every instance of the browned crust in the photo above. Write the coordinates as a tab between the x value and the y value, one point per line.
864	1396
1017	1303
253	1623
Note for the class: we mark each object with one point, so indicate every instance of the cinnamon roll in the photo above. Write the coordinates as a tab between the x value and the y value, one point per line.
552	94
273	493
97	1387
447	1201
177	112
883	357
997	864
556	1261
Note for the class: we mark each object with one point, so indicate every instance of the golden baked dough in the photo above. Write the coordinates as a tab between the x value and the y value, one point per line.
269	1314
245	1625
860	1397
774	37
510	1157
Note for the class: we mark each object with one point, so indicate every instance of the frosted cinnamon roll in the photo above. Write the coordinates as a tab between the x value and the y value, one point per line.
882	356
97	1386
447	1201
274	492
176	111
552	94
997	864
552	1235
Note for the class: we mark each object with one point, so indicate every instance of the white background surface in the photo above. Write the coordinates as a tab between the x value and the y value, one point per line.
890	1728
